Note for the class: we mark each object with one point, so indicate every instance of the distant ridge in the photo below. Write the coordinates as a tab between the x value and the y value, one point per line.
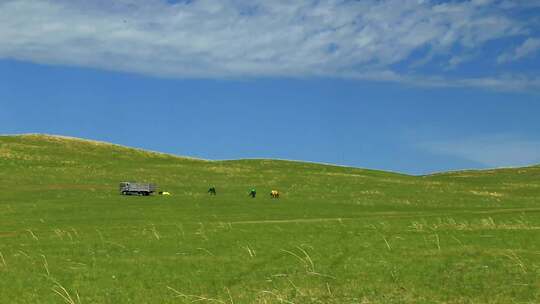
96	142
54	137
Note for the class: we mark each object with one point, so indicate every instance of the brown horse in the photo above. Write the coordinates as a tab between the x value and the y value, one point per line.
274	194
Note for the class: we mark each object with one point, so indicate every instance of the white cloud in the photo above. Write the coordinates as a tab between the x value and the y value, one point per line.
258	38
501	150
512	4
528	48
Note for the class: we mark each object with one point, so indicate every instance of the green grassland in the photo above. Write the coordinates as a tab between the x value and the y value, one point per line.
337	235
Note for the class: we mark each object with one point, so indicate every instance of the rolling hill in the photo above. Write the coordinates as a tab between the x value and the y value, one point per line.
337	234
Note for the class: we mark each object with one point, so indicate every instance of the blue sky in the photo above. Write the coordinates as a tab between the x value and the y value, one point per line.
409	86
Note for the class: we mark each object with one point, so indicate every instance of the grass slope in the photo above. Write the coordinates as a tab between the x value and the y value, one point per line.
337	235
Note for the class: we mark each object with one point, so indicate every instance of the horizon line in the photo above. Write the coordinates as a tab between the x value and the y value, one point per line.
68	137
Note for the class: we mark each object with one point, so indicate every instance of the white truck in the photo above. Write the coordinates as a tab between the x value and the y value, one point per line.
131	188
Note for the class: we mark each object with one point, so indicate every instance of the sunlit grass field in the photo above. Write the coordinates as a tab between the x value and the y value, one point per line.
336	235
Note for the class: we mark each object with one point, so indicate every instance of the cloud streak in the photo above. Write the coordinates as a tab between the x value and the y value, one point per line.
491	150
528	48
243	39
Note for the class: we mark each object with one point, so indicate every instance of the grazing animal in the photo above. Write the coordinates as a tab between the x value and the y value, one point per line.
274	194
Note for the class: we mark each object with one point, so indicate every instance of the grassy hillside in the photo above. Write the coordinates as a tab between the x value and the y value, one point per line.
337	235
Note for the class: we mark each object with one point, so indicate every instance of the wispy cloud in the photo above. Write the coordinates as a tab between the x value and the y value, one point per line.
234	38
501	150
530	47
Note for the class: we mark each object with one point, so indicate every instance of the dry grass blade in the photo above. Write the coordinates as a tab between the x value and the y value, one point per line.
294	286
32	234
64	294
278	297
308	258
194	298
329	290
386	242
297	256
515	258
46	265
3	260
230	295
155	233
250	251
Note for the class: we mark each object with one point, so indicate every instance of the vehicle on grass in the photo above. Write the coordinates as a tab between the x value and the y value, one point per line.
131	188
